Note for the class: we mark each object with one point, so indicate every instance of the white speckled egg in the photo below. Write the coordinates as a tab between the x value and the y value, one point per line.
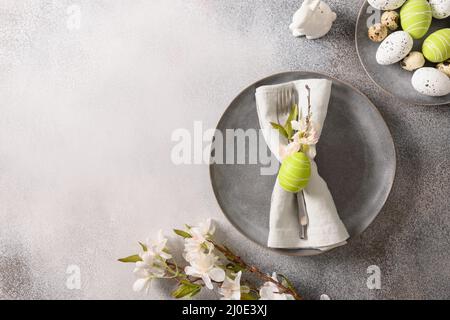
431	82
386	4
440	8
394	48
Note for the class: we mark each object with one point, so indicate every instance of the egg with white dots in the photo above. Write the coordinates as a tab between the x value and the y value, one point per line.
440	8
394	48
386	4
431	82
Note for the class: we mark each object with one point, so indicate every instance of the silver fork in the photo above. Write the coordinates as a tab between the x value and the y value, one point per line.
285	98
303	215
302	210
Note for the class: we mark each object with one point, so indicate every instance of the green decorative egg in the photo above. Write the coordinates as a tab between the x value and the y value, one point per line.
436	47
415	17
294	172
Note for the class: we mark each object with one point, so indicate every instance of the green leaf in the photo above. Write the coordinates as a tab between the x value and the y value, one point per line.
187	283
234	267
182	233
195	292
286	282
280	129
292	116
249	295
144	247
186	290
133	258
180	292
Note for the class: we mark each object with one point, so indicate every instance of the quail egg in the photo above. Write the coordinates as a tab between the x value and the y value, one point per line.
378	32
390	19
444	67
413	61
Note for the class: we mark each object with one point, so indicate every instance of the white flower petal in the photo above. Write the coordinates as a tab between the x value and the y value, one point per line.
207	281
231	289
217	274
236	295
191	271
141	273
211	228
165	256
265	293
237	280
147	258
140	284
141	264
161	236
295	125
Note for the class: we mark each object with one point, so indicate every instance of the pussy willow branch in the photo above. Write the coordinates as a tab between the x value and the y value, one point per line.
308	116
239	261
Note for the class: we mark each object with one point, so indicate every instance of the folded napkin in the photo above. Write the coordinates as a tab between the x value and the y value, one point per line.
325	229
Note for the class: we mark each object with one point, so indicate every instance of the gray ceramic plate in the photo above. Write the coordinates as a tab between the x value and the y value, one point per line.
392	79
356	157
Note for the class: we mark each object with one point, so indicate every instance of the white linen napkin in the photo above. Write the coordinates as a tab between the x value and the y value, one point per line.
325	229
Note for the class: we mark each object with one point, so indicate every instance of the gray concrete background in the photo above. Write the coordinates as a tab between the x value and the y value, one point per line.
85	138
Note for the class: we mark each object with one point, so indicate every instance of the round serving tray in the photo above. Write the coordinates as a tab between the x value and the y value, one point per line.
392	78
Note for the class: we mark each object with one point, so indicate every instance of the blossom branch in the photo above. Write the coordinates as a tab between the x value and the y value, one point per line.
252	269
205	269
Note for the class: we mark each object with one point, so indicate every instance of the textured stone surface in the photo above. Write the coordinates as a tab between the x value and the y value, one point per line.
85	138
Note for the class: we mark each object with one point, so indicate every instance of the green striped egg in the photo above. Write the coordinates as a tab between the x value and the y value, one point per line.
295	172
436	47
415	17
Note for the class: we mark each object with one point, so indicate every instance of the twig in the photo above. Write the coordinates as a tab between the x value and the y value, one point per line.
179	276
238	260
308	116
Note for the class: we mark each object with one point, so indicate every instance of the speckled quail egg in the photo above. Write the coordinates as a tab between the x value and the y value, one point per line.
394	48
378	32
431	82
390	19
413	61
444	67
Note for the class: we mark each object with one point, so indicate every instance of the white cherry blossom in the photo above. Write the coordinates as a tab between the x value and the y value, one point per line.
157	246
270	291
231	289
146	270
203	265
198	242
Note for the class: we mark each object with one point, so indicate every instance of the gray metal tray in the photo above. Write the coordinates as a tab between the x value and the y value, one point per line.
393	79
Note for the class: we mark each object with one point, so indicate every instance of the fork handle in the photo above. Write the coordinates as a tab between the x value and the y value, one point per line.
302	215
